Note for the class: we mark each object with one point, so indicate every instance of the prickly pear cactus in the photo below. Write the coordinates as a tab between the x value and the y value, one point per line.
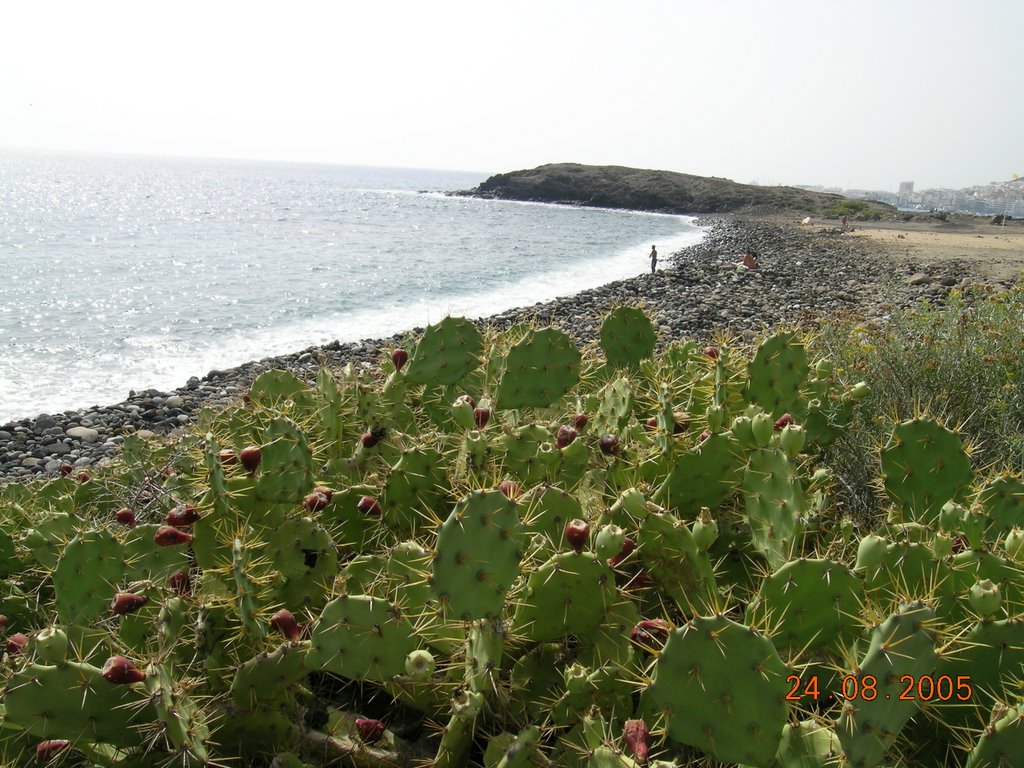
699	695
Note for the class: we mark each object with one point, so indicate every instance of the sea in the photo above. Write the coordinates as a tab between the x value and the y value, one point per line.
129	272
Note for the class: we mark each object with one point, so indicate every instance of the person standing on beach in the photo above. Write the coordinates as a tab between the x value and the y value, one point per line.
654	258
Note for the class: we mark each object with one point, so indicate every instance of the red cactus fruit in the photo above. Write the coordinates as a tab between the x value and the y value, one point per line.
316	500
711	352
66	469
167	536
579	420
628	545
3	621
652	422
47	750
251	456
510	488
182	516
127	602
609	445
369	730
481	416
635	734
373	436
399	357
369	506
647	631
119	670
83	477
228	458
126	516
284	622
16	643
180	582
703	436
783	421
577	533
565	436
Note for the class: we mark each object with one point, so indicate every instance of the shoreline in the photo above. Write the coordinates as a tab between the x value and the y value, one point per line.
805	273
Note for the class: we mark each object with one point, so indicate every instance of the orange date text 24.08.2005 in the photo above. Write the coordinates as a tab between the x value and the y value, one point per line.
865	688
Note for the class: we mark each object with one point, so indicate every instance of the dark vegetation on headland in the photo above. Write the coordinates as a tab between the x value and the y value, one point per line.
613	186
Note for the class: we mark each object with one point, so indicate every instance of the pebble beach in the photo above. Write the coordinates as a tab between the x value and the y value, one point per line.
804	273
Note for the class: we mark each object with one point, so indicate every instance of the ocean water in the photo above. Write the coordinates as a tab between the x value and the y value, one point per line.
120	273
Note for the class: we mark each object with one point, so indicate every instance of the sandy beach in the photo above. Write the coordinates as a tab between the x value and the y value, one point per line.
996	251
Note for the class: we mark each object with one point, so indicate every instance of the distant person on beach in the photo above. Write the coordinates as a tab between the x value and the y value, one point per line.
654	258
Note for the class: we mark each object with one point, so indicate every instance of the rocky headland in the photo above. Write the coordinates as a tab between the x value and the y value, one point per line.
804	273
613	186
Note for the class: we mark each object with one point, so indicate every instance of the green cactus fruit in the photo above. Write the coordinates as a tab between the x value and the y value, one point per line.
462	411
419	665
924	465
809	744
705	530
792	439
608	541
627	337
51	646
361	638
985	599
743	431
477	558
859	391
602	757
715	415
951	517
721	687
446	353
539	370
974	525
467	703
808	604
1013	545
870	553
508	750
762	427
942	545
874	711
823	368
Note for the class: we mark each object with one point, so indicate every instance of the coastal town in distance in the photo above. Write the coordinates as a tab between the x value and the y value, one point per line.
992	199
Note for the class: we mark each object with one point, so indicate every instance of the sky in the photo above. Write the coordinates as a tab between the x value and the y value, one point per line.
859	94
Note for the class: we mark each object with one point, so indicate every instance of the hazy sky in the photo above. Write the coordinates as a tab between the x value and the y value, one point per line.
854	94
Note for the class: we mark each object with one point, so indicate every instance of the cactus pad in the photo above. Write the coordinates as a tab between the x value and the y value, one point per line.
627	337
721	687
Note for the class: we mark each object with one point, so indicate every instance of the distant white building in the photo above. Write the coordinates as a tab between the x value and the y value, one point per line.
906	193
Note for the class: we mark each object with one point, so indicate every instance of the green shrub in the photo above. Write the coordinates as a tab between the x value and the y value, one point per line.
962	362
